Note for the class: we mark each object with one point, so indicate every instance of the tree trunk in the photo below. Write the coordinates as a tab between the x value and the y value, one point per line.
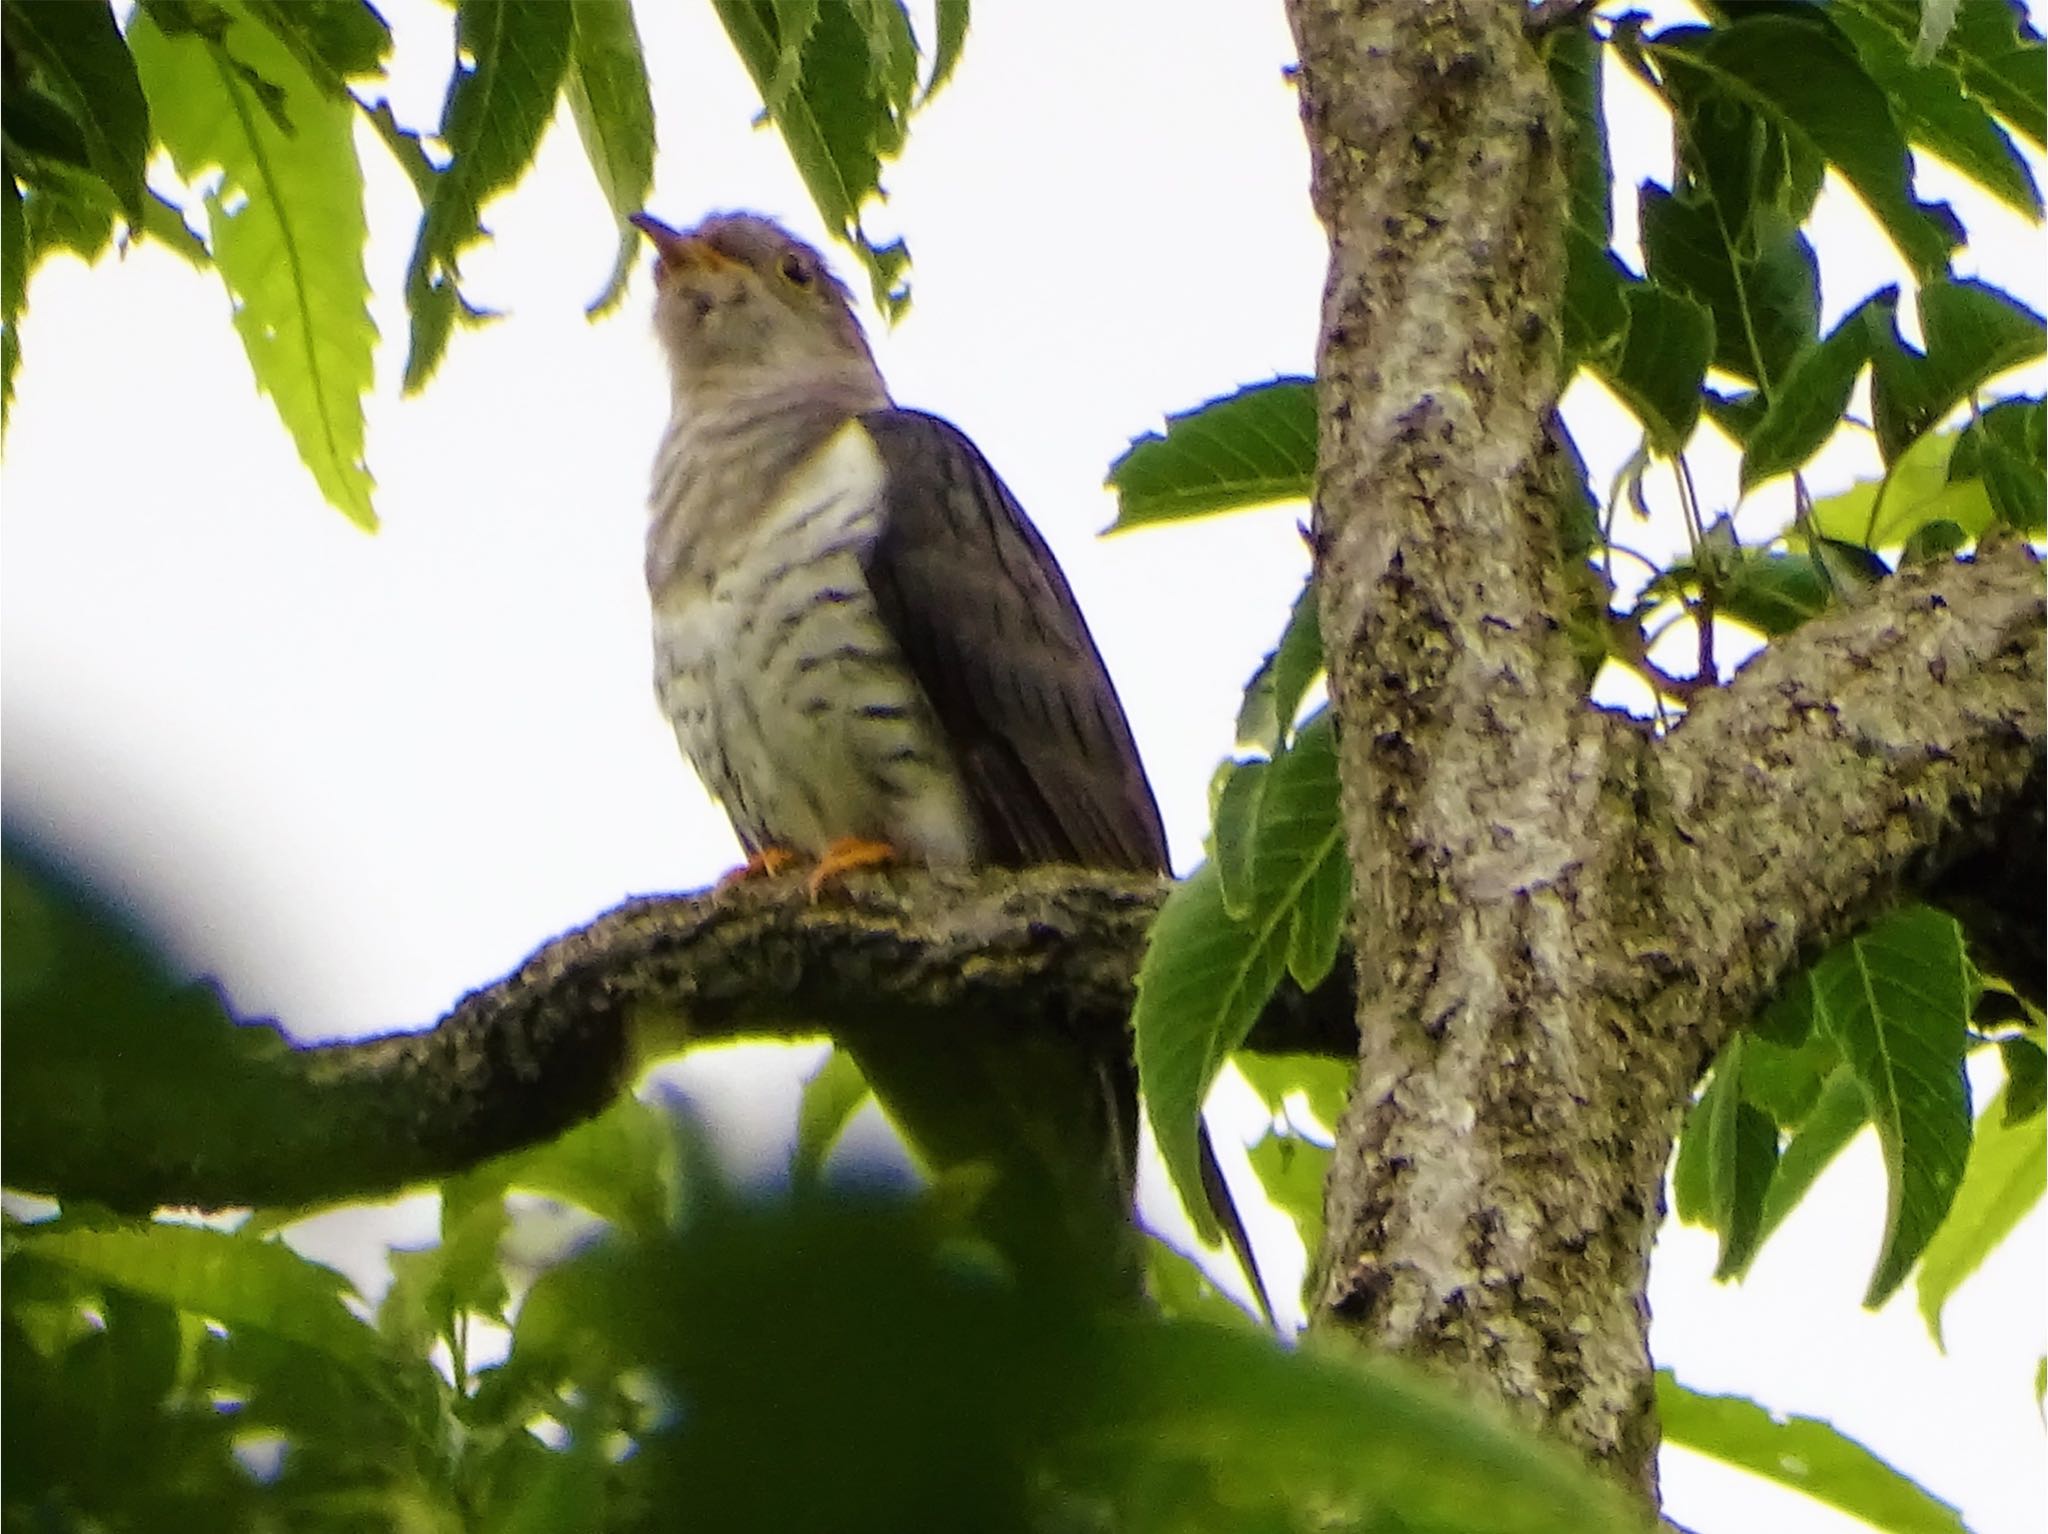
1556	917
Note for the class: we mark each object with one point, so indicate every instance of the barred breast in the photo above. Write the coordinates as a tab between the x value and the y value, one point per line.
785	689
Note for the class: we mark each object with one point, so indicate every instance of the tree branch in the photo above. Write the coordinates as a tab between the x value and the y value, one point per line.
1050	954
1842	765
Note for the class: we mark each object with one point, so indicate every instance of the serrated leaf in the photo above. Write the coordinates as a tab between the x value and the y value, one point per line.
1809	402
287	232
1273	696
228	1278
1992	48
1973	332
1764	294
1209	970
75	54
1897	1000
1880	514
1246	449
837	82
1662	365
336	40
1931	107
2003	450
2004	1180
497	106
1201	984
606	87
1804	1454
832	1095
1798	73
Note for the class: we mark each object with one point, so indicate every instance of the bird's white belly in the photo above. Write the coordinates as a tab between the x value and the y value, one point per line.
787	692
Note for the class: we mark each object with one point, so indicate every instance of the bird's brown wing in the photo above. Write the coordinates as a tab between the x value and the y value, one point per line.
983	616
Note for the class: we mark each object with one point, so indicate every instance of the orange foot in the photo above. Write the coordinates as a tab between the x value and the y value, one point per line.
764	864
845	856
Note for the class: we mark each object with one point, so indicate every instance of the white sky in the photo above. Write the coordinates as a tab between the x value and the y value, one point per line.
363	775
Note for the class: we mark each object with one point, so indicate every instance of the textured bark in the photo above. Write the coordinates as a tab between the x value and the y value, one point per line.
1560	916
1037	961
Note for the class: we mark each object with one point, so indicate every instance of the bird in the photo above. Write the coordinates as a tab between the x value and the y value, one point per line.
867	651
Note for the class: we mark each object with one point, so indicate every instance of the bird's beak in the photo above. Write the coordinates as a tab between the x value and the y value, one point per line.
676	248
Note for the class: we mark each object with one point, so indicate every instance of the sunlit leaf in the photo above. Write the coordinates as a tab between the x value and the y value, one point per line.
606	87
287	230
1246	449
2003	1181
1804	1454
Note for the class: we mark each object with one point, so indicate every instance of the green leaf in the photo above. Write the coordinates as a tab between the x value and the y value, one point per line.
1292	1171
1325	1083
1838	1112
838	81
287	232
1758	279
1251	1436
13	283
1595	316
1184	1292
1771	591
1219	948
1663	363
1273	696
1879	514
498	105
1201	985
434	1290
2026	1079
1245	449
1992	48
1973	332
951	19
1897	1000
1785	1082
1811	399
264	1285
2003	449
832	1095
74	55
620	1166
1929	102
1796	72
2004	1180
336	40
607	91
1802	1453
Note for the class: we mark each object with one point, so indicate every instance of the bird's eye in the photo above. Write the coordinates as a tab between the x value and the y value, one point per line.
795	271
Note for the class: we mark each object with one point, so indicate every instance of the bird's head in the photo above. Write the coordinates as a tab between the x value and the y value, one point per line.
743	305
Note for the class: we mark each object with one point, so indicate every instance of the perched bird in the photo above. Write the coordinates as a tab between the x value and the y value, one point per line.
866	650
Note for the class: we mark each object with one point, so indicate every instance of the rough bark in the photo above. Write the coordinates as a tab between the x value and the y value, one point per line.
1047	957
1561	916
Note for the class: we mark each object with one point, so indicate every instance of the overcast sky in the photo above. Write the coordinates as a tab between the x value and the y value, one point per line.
360	775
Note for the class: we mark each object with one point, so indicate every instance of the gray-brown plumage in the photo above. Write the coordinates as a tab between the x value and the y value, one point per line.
866	650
